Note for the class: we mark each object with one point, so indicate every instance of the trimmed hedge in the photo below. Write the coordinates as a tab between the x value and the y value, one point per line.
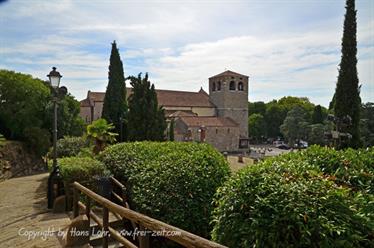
80	169
170	181
302	199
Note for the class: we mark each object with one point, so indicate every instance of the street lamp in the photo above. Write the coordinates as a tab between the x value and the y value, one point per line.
55	184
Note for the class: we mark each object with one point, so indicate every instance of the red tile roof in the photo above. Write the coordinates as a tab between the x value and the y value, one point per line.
183	99
182	113
167	98
211	121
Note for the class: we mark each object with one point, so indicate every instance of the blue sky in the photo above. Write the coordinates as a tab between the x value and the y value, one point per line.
287	47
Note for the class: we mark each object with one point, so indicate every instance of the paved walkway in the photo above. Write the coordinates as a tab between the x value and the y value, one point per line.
23	212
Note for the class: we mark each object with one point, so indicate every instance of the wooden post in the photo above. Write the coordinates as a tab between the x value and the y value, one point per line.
105	227
88	208
240	158
75	202
143	239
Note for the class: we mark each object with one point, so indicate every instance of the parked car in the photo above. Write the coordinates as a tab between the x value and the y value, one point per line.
283	146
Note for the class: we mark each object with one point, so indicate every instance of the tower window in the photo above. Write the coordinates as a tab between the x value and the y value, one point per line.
240	86
214	86
232	85
219	86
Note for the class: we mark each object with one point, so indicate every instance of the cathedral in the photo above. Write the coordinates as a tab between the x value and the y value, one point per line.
219	118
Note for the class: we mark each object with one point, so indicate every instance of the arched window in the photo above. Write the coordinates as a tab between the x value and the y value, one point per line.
232	85
240	86
219	85
214	86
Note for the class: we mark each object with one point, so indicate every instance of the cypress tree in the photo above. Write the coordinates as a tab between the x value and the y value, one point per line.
146	120
347	95
317	116
115	106
171	130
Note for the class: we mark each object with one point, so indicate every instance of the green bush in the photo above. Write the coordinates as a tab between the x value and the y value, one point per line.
350	168
70	146
294	201
170	181
80	169
37	140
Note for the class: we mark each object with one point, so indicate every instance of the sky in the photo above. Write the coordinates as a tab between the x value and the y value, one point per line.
286	47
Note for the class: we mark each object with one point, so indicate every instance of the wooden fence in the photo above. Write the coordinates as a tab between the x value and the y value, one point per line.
145	225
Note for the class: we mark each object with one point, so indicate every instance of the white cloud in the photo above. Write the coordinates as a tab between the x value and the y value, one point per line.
285	48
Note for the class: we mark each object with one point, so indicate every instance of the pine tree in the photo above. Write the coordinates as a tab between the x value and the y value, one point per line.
146	120
347	94
115	105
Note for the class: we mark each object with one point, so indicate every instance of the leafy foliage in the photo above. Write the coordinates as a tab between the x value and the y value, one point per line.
146	120
23	100
80	169
26	111
347	99
171	130
171	181
70	146
69	122
367	124
37	140
295	125
315	198
115	105
316	134
256	126
100	132
318	115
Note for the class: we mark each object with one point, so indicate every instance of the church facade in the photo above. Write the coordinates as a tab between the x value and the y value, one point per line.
219	118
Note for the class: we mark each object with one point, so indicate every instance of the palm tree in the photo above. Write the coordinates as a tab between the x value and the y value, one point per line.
99	132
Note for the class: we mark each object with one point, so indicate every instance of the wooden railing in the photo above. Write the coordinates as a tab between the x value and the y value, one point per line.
145	224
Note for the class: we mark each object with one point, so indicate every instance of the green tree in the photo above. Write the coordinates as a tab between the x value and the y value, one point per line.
347	94
256	126
146	120
274	117
115	105
316	134
367	124
317	116
23	100
295	126
69	122
256	108
100	133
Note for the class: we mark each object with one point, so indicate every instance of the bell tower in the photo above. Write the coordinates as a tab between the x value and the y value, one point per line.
229	92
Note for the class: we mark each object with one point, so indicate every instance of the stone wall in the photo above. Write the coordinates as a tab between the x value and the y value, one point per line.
231	103
16	161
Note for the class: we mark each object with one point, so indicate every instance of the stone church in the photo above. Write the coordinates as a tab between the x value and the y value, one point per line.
219	118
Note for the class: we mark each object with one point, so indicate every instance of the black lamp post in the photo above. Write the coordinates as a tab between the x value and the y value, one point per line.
55	184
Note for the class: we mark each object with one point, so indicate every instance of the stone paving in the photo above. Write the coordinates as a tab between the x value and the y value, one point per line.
25	220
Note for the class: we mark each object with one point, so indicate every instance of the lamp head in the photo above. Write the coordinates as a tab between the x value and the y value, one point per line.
54	78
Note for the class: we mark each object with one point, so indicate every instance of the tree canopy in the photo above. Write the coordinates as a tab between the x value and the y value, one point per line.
26	111
257	126
146	120
115	105
295	125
